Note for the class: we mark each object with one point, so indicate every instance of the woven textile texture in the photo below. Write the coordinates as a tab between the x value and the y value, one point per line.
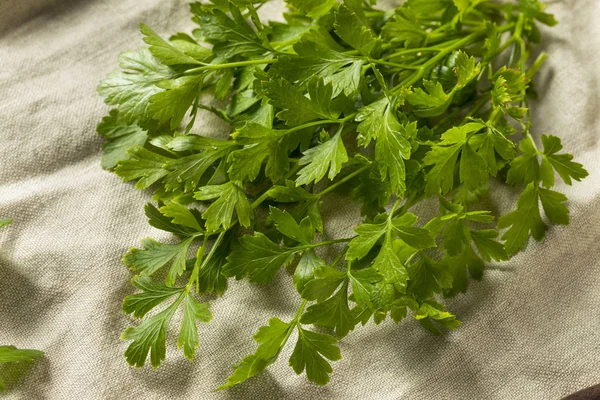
531	327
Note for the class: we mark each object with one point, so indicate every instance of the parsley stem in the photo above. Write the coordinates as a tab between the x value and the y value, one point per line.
392	64
205	261
325	243
236	64
297	316
341	181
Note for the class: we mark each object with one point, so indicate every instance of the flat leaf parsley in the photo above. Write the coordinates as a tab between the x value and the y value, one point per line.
387	108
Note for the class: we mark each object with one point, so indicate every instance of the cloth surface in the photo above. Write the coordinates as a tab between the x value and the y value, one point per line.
530	327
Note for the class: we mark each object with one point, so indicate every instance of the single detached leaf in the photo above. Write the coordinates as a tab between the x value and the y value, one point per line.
12	354
312	352
5	222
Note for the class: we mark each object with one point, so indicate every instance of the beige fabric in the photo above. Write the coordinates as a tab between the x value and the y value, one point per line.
531	327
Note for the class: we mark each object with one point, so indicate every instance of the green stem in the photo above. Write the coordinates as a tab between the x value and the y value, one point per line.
205	261
230	65
341	181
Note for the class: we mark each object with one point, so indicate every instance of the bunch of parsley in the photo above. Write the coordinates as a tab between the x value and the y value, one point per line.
389	108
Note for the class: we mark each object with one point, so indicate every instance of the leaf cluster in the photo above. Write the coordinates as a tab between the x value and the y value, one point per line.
385	108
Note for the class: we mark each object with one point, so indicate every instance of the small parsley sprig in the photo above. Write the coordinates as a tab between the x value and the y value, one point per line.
10	354
430	100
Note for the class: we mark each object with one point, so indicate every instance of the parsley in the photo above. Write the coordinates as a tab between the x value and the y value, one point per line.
10	354
386	108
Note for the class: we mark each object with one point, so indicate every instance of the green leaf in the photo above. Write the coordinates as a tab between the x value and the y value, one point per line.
330	155
181	215
297	108
314	58
132	88
230	36
260	143
427	277
444	156
525	220
466	67
271	340
368	236
432	311
555	210
378	121
525	168
488	248
5	222
390	266
405	28
332	313
352	31
152	295
12	354
162	222
186	172
327	280
363	284
165	52
150	337
305	270
121	137
229	196
144	165
9	354
562	163
210	278
171	104
258	258
432	103
156	255
188	335
419	238
312	8
312	352
287	225
491	144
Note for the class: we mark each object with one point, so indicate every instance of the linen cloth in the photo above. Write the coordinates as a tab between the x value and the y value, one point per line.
531	326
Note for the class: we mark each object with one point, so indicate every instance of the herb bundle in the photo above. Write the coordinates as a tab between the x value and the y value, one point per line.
388	108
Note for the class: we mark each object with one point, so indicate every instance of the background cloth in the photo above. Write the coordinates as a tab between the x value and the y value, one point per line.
530	328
